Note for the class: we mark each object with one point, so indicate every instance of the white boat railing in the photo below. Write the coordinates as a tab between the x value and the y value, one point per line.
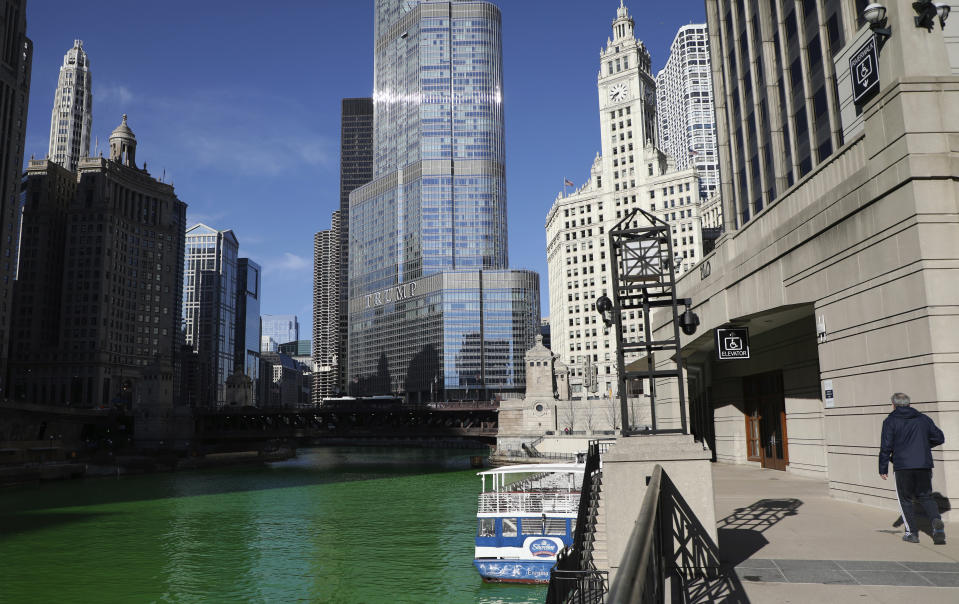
504	502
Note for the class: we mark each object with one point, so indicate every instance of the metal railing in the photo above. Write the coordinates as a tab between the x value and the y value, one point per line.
574	579
670	553
506	503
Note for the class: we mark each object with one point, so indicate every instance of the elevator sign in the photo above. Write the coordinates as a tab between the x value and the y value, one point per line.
864	71
732	343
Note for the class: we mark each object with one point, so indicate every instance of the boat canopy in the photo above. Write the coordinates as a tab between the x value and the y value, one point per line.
536	468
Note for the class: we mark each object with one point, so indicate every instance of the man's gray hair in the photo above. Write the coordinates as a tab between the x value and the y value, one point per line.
900	400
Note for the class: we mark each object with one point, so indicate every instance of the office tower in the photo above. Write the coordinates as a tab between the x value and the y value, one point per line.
72	116
630	172
97	298
246	356
684	103
279	328
16	54
356	169
434	311
209	308
327	362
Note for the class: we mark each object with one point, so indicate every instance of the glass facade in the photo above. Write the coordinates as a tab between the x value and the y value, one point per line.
280	328
209	307
436	205
775	89
246	356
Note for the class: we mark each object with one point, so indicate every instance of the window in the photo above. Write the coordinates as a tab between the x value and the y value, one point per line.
487	527
509	524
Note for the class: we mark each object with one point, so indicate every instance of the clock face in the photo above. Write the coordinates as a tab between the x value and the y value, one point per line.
618	93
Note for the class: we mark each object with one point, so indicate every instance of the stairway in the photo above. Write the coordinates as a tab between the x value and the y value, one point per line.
595	553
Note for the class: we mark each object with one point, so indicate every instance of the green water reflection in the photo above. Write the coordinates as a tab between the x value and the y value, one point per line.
333	525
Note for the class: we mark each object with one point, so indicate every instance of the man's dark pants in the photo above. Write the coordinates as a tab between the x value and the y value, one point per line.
918	484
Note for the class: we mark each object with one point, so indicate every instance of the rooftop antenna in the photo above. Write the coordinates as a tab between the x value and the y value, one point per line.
96	146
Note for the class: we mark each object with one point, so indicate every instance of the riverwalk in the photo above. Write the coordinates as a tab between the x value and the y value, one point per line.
789	541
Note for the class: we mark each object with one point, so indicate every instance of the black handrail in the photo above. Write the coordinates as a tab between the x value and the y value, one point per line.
669	542
643	547
574	576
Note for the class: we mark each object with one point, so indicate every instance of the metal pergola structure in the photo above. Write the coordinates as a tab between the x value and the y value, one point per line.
643	278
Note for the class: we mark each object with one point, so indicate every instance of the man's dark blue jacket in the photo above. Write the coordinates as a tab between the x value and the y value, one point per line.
907	439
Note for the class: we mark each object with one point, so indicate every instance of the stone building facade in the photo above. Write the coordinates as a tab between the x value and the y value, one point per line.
840	247
98	291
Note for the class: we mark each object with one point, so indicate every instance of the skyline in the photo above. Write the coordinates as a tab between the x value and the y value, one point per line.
237	131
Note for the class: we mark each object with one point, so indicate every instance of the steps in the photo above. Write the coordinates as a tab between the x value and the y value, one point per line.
595	546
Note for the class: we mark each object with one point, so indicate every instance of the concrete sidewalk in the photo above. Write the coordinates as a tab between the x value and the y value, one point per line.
791	542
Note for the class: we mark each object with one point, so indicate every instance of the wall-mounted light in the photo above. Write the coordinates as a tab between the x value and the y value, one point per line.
875	15
927	11
604	306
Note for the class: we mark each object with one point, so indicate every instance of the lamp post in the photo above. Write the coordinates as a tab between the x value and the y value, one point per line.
643	271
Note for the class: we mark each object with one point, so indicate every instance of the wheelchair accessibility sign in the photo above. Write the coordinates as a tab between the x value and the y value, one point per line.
732	343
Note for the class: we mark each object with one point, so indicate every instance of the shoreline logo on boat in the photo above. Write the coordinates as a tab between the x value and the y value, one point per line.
543	548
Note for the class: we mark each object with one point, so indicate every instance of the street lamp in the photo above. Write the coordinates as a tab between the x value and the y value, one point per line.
927	11
875	15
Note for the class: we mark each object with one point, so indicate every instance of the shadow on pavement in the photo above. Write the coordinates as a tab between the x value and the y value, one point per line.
741	533
925	525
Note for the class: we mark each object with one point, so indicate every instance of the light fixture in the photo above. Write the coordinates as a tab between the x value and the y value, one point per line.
604	306
942	9
875	15
926	13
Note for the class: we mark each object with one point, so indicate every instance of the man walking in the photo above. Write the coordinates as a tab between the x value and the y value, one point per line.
907	439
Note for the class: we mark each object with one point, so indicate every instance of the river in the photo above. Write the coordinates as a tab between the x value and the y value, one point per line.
357	525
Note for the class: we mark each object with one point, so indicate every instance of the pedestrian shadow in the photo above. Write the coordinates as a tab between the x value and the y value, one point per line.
925	524
741	532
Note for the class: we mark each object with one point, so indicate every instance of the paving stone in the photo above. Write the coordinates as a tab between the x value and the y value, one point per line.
756	563
807	565
942	567
887	577
831	577
942	579
870	565
765	575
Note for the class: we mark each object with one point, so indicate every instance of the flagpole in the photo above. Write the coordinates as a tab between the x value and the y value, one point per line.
564	186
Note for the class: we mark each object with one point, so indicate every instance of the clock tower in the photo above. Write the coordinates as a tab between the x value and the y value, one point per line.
627	107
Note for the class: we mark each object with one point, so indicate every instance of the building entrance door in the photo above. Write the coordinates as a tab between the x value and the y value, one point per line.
765	407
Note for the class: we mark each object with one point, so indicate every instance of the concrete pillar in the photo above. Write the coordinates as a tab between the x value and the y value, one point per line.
625	468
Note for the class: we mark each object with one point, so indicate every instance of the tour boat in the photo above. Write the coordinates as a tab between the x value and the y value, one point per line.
526	517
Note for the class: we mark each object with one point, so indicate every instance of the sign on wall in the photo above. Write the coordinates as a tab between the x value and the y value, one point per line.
829	398
732	343
864	71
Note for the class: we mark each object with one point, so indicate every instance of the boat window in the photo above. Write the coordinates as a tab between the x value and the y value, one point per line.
509	527
544	526
487	527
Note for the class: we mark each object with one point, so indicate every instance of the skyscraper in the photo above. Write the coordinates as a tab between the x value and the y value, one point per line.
279	328
246	356
684	103
356	169
16	54
72	110
631	172
433	308
97	298
209	307
327	362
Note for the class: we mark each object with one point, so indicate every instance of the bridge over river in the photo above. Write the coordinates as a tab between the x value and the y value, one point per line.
359	419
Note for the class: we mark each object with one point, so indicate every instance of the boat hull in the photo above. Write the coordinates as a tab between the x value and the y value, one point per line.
514	571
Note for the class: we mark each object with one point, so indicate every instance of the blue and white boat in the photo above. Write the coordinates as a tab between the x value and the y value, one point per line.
526	516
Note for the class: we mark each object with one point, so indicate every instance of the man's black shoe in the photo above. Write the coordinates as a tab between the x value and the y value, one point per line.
911	538
938	532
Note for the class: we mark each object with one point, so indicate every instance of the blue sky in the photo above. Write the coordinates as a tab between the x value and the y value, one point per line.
239	103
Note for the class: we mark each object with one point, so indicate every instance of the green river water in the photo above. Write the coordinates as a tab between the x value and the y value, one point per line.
357	525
